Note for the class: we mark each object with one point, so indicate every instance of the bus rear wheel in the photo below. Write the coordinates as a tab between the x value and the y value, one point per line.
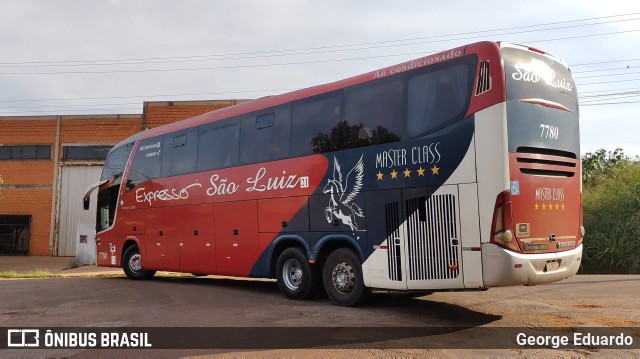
296	278
342	277
132	265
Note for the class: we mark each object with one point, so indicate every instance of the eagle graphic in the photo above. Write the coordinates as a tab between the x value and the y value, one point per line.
341	204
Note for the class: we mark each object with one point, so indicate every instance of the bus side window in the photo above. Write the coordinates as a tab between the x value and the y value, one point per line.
147	163
265	135
374	112
311	117
218	145
179	152
437	98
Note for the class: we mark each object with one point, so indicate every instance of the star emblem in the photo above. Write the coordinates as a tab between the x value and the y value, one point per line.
379	175
420	171
536	206
544	206
434	170
394	174
407	173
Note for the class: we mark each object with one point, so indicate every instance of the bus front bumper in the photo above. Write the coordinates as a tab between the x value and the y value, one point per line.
501	267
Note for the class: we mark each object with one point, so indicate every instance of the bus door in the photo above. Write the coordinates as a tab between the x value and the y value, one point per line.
432	238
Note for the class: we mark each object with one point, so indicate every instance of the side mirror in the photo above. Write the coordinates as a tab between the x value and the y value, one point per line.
87	196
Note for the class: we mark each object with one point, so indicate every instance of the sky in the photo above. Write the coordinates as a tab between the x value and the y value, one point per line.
107	57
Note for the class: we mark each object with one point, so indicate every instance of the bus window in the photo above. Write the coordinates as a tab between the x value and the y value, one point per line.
376	110
265	136
179	152
218	145
312	117
147	162
115	163
437	98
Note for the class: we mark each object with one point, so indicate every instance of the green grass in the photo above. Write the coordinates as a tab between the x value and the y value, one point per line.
173	274
38	273
612	223
158	275
43	273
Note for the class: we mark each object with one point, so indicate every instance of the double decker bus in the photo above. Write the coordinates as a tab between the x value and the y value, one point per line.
455	171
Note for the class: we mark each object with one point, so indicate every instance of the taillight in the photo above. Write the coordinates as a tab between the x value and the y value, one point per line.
502	225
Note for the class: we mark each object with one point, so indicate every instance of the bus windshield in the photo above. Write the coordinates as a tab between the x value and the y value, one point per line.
530	75
113	169
542	106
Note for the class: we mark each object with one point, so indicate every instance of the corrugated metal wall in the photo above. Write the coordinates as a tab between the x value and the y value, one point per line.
74	181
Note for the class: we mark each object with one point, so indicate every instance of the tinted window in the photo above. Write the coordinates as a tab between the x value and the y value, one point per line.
147	163
265	121
115	162
179	152
534	76
374	113
31	152
438	96
85	152
312	118
28	152
263	142
218	145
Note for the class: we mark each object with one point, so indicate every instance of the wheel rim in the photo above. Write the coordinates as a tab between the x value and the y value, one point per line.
343	278
292	274
135	262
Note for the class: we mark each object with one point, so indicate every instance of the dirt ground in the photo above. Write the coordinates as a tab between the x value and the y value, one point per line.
84	300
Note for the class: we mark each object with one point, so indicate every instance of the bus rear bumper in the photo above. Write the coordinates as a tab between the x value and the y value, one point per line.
501	267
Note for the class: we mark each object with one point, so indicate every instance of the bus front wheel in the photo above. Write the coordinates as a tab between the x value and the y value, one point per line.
132	264
342	277
296	278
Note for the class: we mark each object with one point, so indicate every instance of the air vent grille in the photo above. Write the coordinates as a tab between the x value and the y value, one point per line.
484	79
393	240
432	235
546	162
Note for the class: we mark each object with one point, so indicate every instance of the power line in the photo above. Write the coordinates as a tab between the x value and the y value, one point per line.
603	62
322	49
604	91
148	96
602	99
274	64
318	61
79	106
606	82
610	69
607	75
610	103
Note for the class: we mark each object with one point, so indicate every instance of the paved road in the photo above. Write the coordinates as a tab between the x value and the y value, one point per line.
207	302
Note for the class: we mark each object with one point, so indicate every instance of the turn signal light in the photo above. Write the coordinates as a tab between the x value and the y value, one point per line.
504	237
502	226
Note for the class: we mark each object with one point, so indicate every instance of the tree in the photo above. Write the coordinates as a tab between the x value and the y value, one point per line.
602	164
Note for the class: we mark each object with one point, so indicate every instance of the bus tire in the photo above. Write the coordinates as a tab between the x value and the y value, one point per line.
132	264
342	278
296	278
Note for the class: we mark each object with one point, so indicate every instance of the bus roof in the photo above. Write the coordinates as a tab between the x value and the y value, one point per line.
271	101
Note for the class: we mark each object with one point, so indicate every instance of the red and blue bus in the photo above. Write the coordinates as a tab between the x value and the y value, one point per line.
455	171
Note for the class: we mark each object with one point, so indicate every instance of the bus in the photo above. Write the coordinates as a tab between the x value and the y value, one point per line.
456	171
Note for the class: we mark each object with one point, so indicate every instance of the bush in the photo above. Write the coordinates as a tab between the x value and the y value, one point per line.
601	165
612	218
